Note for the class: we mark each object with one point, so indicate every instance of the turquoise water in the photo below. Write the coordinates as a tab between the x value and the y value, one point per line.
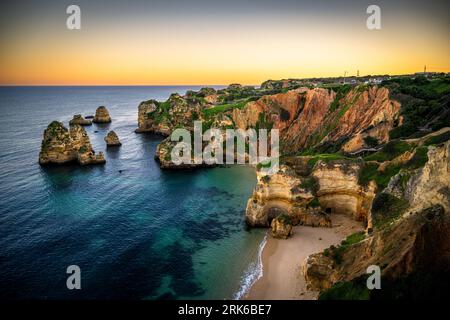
139	234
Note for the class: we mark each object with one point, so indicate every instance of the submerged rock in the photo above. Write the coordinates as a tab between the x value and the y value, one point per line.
112	139
78	119
60	146
102	115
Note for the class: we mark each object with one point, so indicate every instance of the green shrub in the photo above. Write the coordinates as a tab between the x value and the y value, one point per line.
314	203
325	157
354	238
284	218
367	173
338	252
421	100
387	208
221	108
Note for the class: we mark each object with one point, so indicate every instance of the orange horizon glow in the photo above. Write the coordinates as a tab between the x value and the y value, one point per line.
243	52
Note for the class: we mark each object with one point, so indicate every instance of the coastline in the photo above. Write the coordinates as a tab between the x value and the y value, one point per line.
282	277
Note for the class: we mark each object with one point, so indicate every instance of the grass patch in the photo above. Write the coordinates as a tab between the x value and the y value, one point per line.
389	151
341	91
370	172
221	108
354	238
326	157
336	253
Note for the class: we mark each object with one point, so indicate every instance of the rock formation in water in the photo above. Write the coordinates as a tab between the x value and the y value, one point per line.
375	153
163	117
78	119
60	146
101	115
112	140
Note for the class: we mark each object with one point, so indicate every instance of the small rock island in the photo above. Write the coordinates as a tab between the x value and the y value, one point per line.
112	140
60	146
101	115
79	119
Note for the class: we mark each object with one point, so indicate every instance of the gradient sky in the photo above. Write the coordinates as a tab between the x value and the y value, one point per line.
216	42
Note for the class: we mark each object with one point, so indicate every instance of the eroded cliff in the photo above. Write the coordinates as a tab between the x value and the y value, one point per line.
60	146
309	190
416	238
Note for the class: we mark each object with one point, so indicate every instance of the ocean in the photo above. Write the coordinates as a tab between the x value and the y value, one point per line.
137	233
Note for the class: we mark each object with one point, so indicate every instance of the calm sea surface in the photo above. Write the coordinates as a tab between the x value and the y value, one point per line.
139	234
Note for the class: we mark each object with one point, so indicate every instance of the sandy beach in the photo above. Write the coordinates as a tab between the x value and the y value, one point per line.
282	259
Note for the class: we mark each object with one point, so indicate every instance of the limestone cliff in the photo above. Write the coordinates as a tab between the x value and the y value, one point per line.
309	193
419	238
60	146
313	115
340	191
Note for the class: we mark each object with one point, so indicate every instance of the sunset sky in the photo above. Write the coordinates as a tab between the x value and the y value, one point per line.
216	42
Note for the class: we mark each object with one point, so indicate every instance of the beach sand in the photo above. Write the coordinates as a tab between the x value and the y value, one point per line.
282	259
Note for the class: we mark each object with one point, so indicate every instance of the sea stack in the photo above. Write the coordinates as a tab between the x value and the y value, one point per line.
78	119
112	140
102	115
60	146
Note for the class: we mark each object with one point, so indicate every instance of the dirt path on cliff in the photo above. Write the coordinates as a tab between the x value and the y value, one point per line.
282	259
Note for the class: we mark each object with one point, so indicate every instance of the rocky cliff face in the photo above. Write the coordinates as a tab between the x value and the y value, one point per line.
79	119
418	239
112	140
60	146
102	115
309	194
340	192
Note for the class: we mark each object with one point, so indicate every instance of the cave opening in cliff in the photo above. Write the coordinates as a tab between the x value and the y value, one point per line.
328	210
274	212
